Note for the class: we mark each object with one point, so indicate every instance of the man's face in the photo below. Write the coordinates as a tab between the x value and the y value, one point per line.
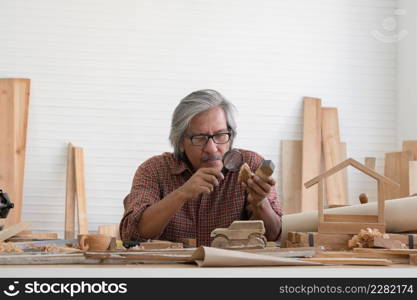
209	156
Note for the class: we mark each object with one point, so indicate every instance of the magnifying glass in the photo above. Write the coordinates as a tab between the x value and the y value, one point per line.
232	160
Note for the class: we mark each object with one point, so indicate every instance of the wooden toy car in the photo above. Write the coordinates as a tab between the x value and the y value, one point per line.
240	234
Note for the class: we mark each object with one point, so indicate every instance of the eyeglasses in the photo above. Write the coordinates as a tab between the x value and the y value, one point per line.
202	139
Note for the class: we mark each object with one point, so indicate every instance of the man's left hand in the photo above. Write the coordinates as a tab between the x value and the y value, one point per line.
258	189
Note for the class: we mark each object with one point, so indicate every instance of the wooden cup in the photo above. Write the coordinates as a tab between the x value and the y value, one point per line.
94	242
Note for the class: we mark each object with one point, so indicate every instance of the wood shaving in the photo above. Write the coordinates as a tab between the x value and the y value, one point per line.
10	248
366	237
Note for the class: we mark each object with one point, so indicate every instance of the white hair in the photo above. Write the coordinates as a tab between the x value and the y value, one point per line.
193	104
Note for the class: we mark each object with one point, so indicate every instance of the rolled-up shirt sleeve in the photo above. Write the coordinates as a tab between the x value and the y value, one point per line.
145	192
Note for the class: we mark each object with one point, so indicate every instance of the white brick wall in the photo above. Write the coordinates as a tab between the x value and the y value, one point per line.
106	75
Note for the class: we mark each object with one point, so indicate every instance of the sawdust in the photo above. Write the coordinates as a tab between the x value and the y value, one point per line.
10	248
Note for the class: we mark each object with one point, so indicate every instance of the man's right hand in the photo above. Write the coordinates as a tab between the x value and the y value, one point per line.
202	182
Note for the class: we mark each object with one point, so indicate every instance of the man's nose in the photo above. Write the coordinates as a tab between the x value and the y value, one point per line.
211	146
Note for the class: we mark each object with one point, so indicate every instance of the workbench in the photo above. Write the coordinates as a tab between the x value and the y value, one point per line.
192	270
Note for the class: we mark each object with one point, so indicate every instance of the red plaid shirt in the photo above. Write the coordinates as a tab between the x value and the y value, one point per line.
162	174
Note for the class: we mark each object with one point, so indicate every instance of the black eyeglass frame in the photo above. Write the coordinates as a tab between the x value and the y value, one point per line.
208	138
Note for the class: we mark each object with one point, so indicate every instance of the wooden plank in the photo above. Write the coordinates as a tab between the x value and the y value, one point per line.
70	195
406	157
348	227
291	157
14	105
411	146
311	153
80	190
386	251
12	230
413	177
397	169
351	218
395	258
350	261
379	242
335	189
34	236
370	162
413	259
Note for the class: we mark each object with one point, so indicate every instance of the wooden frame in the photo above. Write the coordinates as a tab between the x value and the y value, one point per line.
330	223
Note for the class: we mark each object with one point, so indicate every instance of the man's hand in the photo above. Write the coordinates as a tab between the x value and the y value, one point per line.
202	182
258	189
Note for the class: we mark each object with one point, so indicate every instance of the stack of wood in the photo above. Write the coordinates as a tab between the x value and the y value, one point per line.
321	149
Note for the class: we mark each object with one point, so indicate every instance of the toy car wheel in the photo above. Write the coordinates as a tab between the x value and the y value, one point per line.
220	241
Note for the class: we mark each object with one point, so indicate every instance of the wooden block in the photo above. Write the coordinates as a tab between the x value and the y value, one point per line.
80	190
187	242
350	261
12	230
370	162
348	227
265	170
70	195
335	189
311	152
413	177
291	155
244	173
379	242
412	147
413	259
14	106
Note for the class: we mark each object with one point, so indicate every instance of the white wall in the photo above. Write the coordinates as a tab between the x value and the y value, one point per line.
407	73
106	76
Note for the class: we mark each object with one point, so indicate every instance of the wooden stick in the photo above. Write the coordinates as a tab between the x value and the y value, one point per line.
70	195
80	190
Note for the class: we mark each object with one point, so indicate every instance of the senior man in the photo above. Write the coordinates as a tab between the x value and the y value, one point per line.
185	194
